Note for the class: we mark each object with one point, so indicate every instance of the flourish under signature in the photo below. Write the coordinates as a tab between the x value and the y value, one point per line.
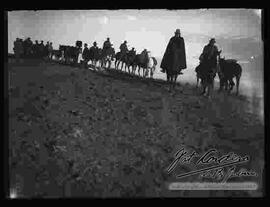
216	170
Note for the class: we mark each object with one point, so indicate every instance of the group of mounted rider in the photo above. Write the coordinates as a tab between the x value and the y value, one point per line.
173	61
126	57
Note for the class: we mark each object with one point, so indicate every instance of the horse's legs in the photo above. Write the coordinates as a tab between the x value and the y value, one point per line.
122	66
237	83
203	87
231	84
175	78
171	78
210	88
125	67
132	70
168	78
221	84
197	81
226	84
144	72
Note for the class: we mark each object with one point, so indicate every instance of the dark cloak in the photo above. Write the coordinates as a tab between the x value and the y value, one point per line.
174	59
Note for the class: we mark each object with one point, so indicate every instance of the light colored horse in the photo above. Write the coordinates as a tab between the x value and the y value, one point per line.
151	65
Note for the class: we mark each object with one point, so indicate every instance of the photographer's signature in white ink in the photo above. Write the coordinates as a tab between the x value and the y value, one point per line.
218	164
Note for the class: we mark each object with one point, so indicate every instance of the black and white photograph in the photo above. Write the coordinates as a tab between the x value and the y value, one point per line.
135	103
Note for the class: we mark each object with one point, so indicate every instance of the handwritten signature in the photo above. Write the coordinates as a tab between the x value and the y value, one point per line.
218	164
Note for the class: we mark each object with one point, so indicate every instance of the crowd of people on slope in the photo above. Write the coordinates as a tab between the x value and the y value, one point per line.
27	49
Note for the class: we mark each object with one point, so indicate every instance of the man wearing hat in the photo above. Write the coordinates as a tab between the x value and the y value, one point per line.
85	55
132	51
18	49
174	59
208	59
123	49
210	51
93	52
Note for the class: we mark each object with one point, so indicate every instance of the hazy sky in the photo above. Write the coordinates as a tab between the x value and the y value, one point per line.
149	29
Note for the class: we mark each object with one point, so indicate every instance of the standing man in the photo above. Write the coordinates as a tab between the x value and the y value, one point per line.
85	55
50	51
41	49
36	49
47	50
18	49
174	59
93	53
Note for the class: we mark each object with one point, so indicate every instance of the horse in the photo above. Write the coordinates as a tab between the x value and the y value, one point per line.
129	61
152	63
56	55
119	57
95	55
229	69
206	71
141	61
207	74
70	53
107	56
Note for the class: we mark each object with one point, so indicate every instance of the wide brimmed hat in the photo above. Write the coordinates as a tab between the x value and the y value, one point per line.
177	31
212	40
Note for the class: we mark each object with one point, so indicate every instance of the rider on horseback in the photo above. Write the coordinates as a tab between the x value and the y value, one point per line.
210	52
107	44
209	56
174	58
208	66
123	49
132	51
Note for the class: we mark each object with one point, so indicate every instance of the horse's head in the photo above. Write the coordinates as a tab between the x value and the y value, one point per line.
221	60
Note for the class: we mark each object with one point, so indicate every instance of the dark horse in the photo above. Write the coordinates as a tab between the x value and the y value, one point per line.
141	61
206	71
107	56
229	69
130	61
95	55
119	58
70	53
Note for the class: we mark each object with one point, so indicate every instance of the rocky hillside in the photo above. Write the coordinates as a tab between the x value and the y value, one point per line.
76	132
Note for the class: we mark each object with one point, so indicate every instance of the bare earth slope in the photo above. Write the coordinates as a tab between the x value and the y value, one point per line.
75	132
